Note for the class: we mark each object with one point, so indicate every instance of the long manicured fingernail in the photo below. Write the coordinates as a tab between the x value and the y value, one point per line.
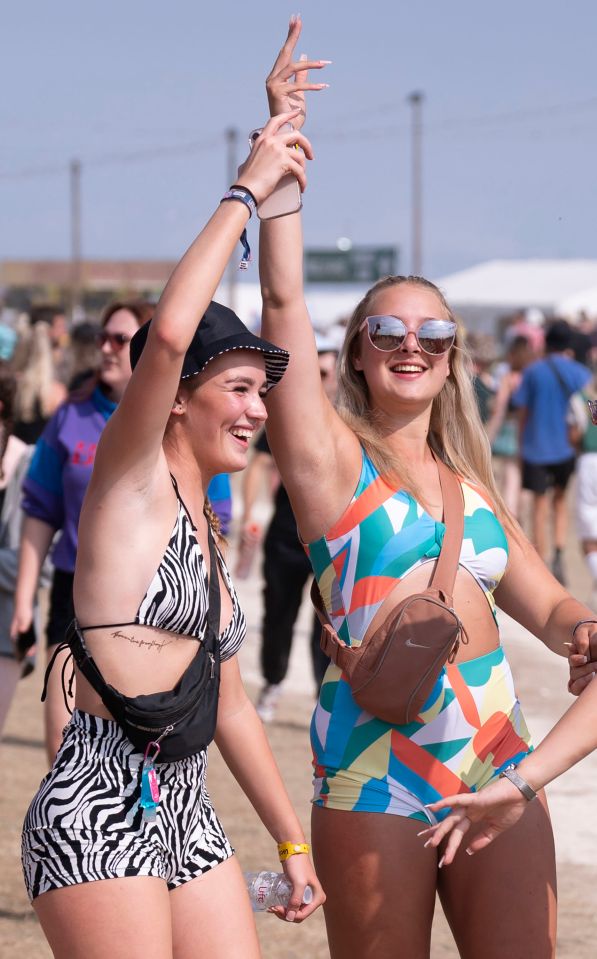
422	833
470	852
425	844
326	61
441	862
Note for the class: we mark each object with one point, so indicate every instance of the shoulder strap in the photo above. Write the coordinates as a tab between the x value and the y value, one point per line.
214	602
181	501
444	574
213	609
565	387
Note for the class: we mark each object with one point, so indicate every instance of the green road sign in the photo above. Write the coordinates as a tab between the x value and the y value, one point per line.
360	264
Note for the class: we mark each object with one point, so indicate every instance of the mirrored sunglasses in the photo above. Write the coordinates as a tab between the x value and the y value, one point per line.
388	333
116	340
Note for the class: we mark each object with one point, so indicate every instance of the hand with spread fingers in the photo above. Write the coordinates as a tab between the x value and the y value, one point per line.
287	82
492	810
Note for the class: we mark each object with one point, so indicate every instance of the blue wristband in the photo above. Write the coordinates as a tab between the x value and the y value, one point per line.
240	193
243	196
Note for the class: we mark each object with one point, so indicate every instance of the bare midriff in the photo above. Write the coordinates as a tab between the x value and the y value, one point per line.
470	604
136	660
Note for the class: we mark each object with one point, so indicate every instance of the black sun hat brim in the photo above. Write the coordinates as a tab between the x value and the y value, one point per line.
220	331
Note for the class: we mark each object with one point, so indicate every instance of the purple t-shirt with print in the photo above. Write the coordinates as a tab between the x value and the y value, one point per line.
60	471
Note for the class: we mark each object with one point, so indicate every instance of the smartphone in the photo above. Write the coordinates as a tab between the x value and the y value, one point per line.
286	197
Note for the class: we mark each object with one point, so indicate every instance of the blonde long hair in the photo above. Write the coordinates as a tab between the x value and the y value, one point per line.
456	432
35	384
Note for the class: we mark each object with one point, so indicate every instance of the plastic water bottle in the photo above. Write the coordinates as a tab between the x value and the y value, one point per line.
249	541
271	889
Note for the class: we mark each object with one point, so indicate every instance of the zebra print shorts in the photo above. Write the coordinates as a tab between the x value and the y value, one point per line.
85	822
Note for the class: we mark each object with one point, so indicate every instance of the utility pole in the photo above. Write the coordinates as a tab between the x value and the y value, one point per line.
416	101
75	234
231	169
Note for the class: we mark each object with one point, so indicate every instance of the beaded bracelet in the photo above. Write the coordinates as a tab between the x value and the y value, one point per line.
287	849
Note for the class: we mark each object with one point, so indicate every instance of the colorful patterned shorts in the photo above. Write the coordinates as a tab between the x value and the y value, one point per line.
470	728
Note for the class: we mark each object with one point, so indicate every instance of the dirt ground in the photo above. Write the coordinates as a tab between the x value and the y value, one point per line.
541	686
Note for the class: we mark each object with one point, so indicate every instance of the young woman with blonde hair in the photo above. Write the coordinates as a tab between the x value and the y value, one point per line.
364	484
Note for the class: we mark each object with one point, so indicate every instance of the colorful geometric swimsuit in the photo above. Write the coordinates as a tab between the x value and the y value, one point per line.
472	725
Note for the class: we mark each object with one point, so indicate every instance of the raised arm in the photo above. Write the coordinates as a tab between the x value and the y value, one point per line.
316	453
132	439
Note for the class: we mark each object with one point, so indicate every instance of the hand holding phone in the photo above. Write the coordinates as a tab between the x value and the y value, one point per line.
286	197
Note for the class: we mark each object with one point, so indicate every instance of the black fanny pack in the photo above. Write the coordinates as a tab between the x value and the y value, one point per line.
181	720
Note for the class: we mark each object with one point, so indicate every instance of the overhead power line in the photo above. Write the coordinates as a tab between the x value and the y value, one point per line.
117	159
372	131
526	113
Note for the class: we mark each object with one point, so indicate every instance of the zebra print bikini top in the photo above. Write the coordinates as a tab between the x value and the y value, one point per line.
177	597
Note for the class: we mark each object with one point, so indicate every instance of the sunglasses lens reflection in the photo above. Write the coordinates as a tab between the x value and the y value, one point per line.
387	333
436	337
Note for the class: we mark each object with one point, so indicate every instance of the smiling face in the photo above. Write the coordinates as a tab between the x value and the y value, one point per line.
406	379
224	409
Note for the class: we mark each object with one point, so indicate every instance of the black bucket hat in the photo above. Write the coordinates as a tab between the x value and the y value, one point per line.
220	331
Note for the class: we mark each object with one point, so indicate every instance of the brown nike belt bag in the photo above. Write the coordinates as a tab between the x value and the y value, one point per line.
393	671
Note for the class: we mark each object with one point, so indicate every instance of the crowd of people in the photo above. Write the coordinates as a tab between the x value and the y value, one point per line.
117	442
532	396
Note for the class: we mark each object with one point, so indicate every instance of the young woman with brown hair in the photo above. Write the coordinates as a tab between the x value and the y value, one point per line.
121	858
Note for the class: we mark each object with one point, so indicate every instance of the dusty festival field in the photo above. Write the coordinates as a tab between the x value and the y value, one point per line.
541	685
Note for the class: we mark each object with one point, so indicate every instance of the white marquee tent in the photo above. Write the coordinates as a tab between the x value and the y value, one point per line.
583	302
328	304
484	292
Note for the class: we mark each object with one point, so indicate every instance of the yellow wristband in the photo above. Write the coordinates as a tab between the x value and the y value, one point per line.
286	849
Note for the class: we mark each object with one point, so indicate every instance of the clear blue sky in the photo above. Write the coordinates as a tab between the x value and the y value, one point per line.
510	140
